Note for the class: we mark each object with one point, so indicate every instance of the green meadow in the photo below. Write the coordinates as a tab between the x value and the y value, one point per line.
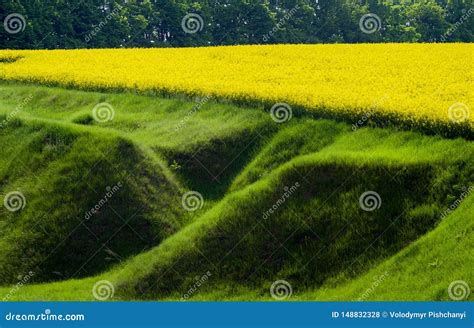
268	202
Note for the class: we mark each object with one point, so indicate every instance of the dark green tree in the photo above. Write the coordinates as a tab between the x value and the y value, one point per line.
166	23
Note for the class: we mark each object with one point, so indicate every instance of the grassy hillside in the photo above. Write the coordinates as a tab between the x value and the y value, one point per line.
422	271
192	134
64	172
280	201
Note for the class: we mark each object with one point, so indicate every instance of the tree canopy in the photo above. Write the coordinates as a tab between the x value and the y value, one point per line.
49	24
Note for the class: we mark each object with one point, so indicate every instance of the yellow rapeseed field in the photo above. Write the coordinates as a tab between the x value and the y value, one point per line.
422	85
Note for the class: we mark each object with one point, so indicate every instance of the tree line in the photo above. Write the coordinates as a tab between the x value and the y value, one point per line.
49	24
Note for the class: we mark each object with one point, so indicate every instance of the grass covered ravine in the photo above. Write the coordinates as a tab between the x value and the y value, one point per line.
272	201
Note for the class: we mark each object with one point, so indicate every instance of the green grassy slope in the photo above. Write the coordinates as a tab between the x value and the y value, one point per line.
63	173
422	271
311	173
243	246
192	134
